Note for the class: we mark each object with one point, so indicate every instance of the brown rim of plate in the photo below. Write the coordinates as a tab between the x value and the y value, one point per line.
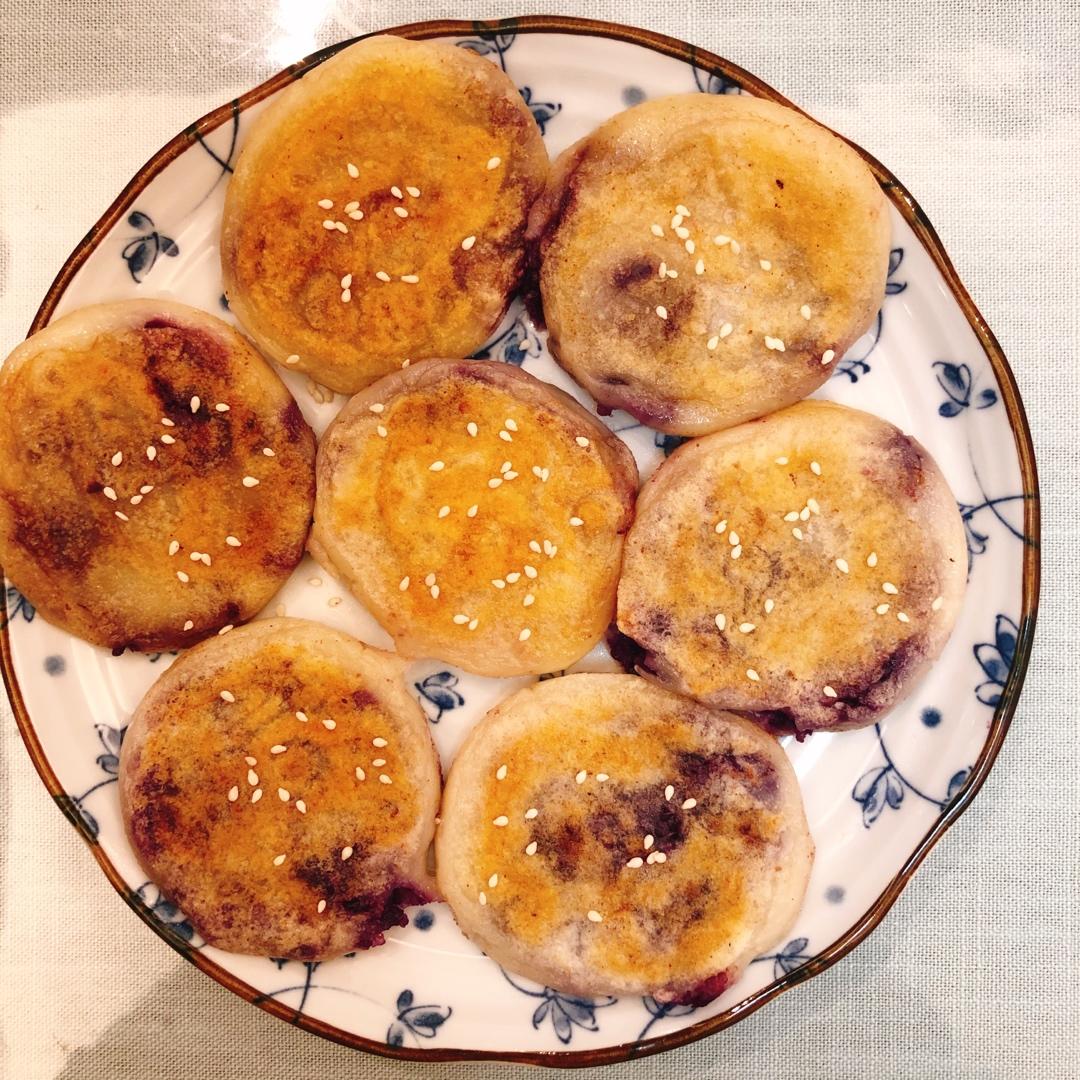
999	725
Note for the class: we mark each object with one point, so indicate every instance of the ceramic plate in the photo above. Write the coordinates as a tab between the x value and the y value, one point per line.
877	799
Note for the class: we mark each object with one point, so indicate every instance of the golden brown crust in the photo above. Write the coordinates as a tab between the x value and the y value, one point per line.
680	829
404	115
82	441
805	568
784	247
246	750
517	530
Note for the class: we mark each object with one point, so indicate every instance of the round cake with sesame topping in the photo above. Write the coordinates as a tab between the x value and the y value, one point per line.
705	258
805	569
279	784
604	836
478	513
378	210
156	476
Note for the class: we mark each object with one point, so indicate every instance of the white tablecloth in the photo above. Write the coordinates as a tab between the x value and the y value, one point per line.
976	971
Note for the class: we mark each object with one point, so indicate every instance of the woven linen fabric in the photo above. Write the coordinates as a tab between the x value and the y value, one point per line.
976	970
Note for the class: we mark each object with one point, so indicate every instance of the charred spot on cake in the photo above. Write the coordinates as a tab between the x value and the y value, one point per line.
160	323
752	771
562	843
363	699
703	992
292	420
652	412
631	271
625	651
906	460
779	722
63	539
153	825
874	692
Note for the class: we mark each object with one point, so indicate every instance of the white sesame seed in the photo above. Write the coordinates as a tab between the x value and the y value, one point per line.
410	279
444	511
182	576
815	468
733	538
712	342
797	533
648	841
525	634
498	583
530	848
720	527
472	429
581	776
661	311
680	209
329	724
842	566
936	605
474	623
429	580
321	906
534	546
890	588
635	862
774	343
882	609
902	617
189	624
769	605
662	270
576	522
384	779
195	403
725	330
224	630
594	916
437	466
529	600
500	773
234	793
676	220
581	441
166	422
121	515
721	622
380	431
781	461
221	407
349	206
736	551
396	192
278	748
346	853
168	440
871	559
249	760
656	230
382	275
195	556
360	774
735	247
513	577
659	856
495	482
109	493
805	311
328	224
493	881
301	716
792	515
250	482
804	513
227	695
721	240
341	226
505	467
764	264
669	791
501	821
252	777
747	627
352	170
494	163
301	806
531	813
232	541
682	232
379	742
283	795
689	804
279	859
356	215
530	571
752	675
506	436
690	247
828	691
461	620
413	191
813	506
467	243
827	356
378	762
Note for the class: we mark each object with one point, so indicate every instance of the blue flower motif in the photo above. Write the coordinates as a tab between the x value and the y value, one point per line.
15	604
956	381
489	43
885	786
55	665
710	83
668	443
437	694
154	657
658	1010
793	955
167	913
516	344
542	111
419	1021
111	739
566	1011
142	252
996	660
854	367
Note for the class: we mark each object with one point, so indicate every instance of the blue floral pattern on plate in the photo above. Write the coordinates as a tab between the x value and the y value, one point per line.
143	251
565	1011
